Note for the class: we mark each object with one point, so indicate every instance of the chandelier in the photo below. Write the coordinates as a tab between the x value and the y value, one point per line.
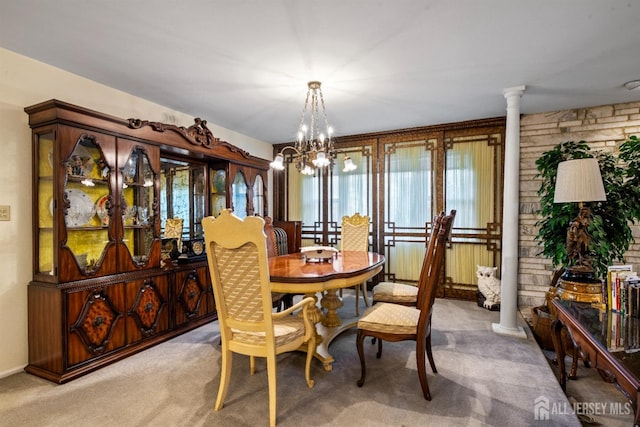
313	148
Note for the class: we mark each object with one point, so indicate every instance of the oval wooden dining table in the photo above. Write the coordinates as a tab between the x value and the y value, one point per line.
295	274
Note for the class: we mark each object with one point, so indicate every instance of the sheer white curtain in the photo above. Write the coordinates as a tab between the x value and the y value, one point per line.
350	190
408	206
469	184
304	197
470	189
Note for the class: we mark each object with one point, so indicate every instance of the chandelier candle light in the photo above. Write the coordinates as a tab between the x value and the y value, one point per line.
314	147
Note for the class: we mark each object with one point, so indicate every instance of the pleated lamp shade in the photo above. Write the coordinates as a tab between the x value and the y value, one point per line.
579	181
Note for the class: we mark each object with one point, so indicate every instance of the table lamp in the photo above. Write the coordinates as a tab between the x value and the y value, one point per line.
579	181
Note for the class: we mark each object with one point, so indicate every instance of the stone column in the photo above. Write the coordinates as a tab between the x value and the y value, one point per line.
509	291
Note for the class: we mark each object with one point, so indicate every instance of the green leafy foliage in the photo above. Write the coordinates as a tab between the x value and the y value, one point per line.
609	228
630	155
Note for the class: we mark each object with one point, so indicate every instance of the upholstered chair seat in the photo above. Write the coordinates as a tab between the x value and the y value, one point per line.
285	331
398	293
390	318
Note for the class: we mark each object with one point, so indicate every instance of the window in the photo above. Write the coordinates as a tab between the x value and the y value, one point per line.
403	179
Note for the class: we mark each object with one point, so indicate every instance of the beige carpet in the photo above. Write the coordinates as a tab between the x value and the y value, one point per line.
483	379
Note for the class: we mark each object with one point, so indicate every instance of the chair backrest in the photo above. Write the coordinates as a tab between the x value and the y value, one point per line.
282	240
277	238
428	255
434	260
355	233
293	230
272	239
238	264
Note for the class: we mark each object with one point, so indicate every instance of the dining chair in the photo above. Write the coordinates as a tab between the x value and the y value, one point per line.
238	264
404	293
354	236
396	322
275	248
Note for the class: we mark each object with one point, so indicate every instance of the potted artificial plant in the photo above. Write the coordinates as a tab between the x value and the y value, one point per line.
609	226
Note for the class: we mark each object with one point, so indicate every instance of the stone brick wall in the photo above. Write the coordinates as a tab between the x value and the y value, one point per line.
603	128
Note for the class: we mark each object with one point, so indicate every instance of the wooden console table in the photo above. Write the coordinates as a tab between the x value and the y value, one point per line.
594	333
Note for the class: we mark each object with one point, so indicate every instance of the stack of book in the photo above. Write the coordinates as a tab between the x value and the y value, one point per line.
623	303
623	290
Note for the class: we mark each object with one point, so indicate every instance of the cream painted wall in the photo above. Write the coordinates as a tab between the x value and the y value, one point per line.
25	82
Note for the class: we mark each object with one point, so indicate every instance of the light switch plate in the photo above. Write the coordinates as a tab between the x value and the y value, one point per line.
5	213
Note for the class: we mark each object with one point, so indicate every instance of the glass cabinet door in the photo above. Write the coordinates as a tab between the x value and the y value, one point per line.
183	194
73	174
239	192
198	187
44	250
138	204
218	190
258	196
86	202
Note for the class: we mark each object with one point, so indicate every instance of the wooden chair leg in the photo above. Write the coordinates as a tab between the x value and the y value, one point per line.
430	355
363	368
422	368
357	291
271	375
363	286
225	376
379	353
287	301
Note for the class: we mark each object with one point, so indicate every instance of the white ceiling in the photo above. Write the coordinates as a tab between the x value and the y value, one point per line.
383	64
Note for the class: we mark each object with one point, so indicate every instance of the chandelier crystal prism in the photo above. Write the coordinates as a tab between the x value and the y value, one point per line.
314	148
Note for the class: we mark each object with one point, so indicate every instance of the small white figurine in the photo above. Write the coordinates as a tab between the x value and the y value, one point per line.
488	285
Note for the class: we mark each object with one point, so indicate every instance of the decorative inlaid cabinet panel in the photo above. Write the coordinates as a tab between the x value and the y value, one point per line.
97	322
194	295
147	307
113	273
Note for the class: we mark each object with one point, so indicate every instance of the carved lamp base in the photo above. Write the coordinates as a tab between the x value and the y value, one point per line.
575	285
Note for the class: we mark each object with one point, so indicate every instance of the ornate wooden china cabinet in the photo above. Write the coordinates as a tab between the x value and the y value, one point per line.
104	284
